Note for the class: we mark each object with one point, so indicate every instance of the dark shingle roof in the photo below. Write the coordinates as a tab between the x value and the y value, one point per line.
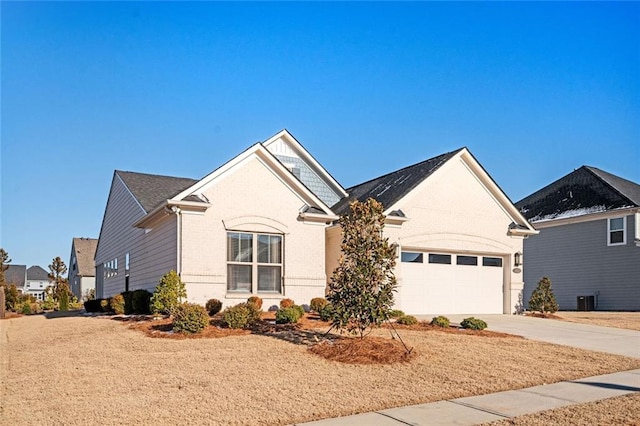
391	187
583	191
16	274
151	190
85	251
36	273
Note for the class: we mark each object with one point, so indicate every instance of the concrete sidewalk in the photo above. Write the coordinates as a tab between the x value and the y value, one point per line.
497	406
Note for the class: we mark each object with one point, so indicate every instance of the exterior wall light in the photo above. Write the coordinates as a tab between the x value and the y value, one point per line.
517	259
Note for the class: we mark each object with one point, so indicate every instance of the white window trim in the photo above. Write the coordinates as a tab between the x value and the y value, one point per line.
254	267
624	231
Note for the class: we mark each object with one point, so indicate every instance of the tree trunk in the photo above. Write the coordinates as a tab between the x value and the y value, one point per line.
2	302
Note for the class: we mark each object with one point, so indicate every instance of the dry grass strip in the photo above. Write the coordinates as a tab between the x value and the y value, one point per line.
621	410
628	320
96	370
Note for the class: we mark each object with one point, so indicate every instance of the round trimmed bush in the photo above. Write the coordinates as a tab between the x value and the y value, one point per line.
256	301
318	303
141	301
407	320
326	312
117	304
396	313
440	321
286	303
213	306
241	316
289	315
105	305
190	318
472	323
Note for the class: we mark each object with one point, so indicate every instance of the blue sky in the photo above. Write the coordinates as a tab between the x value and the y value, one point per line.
534	90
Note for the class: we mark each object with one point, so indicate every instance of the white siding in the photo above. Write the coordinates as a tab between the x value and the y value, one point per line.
152	254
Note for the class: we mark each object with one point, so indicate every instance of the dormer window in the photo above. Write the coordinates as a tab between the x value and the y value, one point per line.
617	231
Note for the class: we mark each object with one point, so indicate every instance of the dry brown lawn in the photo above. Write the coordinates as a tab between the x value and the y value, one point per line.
96	370
629	320
621	410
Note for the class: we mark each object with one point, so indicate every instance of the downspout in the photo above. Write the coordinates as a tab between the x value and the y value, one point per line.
178	214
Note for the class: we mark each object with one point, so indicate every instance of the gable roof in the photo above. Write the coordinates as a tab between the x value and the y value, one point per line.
36	273
584	191
16	274
151	190
85	251
390	188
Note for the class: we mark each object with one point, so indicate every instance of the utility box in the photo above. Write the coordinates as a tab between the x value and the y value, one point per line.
586	303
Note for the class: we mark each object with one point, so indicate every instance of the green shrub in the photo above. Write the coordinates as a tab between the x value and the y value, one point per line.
140	302
396	313
318	303
286	303
440	321
49	303
128	302
213	306
407	320
117	304
26	309
190	318
542	299
289	315
241	316
74	303
473	324
326	313
63	301
300	310
168	294
256	301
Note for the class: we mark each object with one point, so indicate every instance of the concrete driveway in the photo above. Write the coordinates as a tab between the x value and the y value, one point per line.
604	339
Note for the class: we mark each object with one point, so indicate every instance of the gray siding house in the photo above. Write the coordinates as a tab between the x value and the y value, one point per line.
589	241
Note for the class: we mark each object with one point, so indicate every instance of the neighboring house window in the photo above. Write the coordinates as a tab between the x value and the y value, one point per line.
617	231
254	263
111	268
411	257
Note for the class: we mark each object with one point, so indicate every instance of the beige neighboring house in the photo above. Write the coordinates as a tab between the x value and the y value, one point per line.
81	270
264	224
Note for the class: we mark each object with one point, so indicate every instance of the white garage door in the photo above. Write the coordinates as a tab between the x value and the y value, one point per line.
439	283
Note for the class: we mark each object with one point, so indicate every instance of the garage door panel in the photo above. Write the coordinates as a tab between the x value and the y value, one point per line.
431	288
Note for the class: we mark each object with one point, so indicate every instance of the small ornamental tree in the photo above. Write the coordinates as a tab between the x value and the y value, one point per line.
59	283
4	261
168	294
542	299
362	286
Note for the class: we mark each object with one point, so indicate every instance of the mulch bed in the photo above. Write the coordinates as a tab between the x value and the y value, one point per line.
370	350
425	326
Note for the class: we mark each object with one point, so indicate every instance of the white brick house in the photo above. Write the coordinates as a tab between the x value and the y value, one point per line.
263	224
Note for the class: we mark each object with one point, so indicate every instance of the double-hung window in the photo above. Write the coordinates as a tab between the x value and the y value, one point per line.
254	263
616	234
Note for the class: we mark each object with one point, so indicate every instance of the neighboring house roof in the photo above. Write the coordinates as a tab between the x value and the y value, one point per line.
584	191
390	188
36	273
152	190
16	274
85	251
